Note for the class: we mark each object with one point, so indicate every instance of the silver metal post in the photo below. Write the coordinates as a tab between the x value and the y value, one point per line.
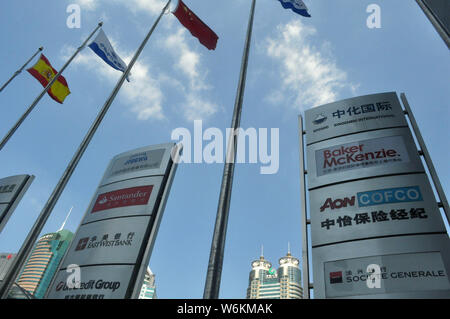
435	22
51	202
427	157
214	273
21	69
304	220
176	151
49	85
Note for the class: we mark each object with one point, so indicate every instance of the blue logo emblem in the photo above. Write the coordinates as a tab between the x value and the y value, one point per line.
389	196
320	119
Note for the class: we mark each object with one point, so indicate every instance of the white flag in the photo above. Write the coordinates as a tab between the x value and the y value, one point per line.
103	48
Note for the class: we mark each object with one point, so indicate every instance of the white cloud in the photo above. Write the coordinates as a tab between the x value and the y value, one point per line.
196	108
150	6
188	62
143	94
88	4
309	77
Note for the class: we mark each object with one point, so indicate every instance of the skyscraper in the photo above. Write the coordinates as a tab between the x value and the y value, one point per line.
43	262
266	283
290	278
148	290
16	291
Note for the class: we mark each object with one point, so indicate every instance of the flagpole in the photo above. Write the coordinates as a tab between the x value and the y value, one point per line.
213	277
49	85
51	202
21	69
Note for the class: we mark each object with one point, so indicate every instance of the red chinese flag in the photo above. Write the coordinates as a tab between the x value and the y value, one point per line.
197	27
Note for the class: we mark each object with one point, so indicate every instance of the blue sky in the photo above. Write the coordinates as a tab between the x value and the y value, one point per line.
295	63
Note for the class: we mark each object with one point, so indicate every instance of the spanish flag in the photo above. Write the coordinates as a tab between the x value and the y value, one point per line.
44	73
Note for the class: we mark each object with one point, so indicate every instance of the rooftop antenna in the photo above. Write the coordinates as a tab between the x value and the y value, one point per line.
289	248
67	217
262	251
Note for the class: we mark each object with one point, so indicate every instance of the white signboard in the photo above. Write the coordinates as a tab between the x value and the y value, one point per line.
108	242
375	207
119	226
97	282
362	155
12	189
126	198
358	114
371	202
138	163
342	270
393	274
10	186
380	151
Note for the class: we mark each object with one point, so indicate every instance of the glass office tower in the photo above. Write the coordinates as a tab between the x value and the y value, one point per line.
148	290
43	262
266	283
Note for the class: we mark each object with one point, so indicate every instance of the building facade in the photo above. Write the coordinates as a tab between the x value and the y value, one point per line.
289	277
6	260
43	262
148	290
284	283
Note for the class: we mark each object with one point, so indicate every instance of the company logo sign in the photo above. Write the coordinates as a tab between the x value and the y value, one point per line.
132	196
376	197
319	119
91	284
368	153
389	196
105	241
136	158
338	203
352	276
384	106
82	244
336	277
355	113
399	273
137	162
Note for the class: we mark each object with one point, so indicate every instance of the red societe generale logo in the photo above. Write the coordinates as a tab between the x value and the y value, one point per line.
132	196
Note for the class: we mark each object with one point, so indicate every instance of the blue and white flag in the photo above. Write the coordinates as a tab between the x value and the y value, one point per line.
297	6
103	48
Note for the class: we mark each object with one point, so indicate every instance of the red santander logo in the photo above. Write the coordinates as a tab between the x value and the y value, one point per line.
132	196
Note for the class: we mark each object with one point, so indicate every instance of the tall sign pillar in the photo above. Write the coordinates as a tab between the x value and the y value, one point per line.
376	228
12	189
113	243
